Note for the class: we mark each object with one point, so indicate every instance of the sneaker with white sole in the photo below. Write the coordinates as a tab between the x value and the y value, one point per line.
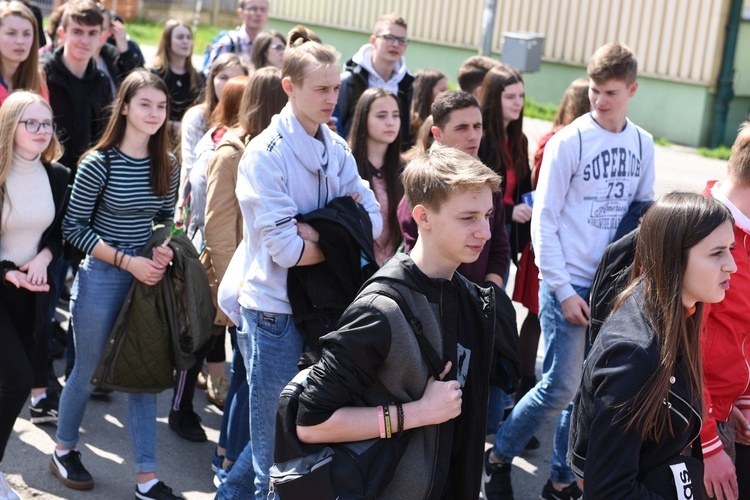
45	411
6	492
496	483
159	491
70	470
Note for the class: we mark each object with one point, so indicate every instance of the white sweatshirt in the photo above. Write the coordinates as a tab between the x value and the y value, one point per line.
285	172
589	177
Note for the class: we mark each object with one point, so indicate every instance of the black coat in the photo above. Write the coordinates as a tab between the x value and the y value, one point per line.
611	461
80	106
319	294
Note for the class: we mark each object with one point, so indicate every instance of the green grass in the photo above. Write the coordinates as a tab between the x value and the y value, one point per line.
533	109
661	141
720	153
149	33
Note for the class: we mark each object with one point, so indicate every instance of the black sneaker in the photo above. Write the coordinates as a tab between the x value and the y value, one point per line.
159	491
70	471
533	444
44	412
496	480
187	425
570	492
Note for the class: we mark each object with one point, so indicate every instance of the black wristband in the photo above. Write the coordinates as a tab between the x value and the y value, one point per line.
400	416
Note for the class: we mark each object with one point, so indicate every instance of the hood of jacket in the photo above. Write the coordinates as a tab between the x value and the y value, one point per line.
55	62
363	58
313	152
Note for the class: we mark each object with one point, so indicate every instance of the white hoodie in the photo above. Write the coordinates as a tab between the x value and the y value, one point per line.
363	58
285	172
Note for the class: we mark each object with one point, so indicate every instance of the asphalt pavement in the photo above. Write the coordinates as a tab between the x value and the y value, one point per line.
185	466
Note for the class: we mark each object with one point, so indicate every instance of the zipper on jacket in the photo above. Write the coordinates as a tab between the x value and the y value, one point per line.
687	421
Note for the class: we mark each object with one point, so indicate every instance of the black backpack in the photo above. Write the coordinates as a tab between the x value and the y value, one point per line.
506	355
356	470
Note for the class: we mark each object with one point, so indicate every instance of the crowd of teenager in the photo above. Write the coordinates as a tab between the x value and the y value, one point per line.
314	197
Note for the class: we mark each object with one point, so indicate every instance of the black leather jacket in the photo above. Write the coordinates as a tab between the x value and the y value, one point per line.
611	461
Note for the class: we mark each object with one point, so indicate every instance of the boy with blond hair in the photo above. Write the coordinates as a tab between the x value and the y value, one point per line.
373	373
592	171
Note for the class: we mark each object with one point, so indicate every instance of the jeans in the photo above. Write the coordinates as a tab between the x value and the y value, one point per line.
271	346
235	423
562	369
99	291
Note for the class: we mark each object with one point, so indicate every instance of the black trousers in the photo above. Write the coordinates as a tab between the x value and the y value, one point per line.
16	352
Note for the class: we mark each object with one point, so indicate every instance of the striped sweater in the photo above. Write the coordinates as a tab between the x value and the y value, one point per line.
128	207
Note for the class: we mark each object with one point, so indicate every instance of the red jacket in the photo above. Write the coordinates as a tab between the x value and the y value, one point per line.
726	346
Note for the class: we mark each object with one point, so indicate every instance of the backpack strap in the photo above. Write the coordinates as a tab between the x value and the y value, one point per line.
433	360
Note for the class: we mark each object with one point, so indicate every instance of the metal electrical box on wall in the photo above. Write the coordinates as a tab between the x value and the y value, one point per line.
522	51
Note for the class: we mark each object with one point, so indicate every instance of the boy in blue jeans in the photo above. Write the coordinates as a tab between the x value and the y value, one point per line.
593	169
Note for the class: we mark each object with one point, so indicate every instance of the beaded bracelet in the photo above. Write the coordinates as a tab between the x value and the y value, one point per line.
400	416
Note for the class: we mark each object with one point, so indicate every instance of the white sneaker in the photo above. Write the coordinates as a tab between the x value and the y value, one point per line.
6	493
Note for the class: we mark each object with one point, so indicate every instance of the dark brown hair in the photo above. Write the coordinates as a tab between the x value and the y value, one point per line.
226	60
158	144
392	162
421	104
84	12
515	154
672	226
261	45
473	70
448	102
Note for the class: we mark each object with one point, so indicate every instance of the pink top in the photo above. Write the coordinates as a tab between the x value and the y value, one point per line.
383	250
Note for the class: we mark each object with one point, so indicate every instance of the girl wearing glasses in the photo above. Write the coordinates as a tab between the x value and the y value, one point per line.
268	50
33	191
19	51
123	186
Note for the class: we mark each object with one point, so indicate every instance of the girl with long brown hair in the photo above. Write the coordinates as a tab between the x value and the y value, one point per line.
641	398
376	146
123	186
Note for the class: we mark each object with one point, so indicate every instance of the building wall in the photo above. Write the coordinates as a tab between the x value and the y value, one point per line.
679	44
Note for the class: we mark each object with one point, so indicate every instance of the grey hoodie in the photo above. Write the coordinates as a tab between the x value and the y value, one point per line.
285	172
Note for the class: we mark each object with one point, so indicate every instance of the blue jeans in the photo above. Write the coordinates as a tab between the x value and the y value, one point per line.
99	291
271	346
235	423
562	369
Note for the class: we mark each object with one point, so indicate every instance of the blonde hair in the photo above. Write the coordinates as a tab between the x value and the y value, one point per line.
431	177
738	166
305	56
10	115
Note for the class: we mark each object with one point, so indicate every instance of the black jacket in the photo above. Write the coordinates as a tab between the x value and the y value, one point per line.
59	180
320	293
374	358
354	83
80	106
120	64
611	461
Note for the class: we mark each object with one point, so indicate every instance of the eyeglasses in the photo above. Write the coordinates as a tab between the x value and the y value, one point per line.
255	10
33	126
278	47
398	40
